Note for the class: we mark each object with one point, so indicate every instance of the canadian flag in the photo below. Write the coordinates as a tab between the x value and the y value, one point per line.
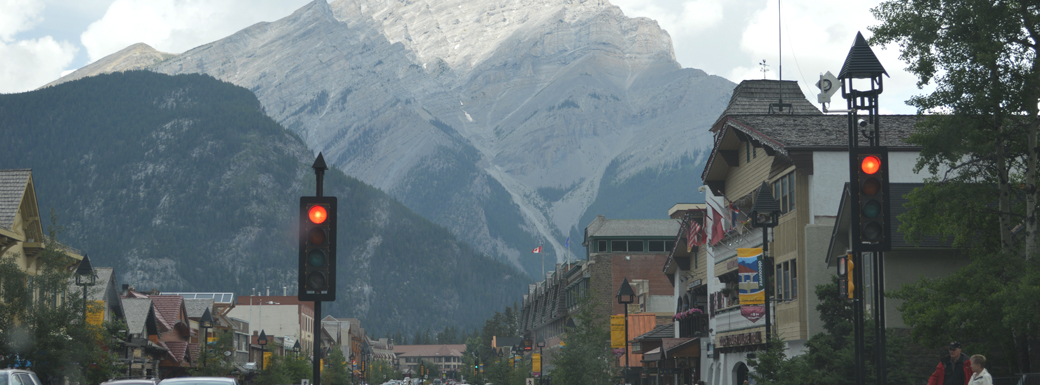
537	250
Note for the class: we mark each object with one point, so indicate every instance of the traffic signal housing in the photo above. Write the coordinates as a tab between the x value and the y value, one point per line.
317	249
843	277
851	277
871	219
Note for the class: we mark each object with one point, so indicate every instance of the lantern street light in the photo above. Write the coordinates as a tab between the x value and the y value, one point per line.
626	296
765	214
85	276
205	323
262	341
296	349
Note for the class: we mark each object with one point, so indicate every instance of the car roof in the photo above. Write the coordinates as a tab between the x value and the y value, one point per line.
129	381
199	380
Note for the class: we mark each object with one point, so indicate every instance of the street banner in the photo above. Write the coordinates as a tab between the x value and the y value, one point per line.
96	313
536	362
617	331
752	291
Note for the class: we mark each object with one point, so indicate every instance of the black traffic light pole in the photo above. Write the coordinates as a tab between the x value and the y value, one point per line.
861	63
319	175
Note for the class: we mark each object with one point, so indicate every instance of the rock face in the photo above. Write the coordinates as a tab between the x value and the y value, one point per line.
503	121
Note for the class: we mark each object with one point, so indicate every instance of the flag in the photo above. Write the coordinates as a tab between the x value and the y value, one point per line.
568	243
717	230
694	235
734	211
537	250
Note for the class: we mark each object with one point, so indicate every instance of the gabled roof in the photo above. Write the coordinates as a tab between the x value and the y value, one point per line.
168	309
12	188
140	315
779	135
195	307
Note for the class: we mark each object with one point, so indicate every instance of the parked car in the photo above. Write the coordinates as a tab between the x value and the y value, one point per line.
18	377
132	381
198	381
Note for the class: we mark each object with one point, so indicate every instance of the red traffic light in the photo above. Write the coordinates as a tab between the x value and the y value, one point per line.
317	214
870	164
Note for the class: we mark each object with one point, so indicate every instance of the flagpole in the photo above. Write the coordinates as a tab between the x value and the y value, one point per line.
540	251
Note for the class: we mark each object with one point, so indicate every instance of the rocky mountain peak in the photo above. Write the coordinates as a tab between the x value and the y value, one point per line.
464	33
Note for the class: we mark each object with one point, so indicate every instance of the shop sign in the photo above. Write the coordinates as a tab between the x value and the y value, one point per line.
742	339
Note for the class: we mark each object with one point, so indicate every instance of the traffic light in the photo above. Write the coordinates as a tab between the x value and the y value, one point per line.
843	280
871	222
317	249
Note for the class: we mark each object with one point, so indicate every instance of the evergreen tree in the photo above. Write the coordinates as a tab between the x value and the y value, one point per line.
585	358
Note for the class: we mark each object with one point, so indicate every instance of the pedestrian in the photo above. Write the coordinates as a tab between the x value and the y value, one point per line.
953	369
978	366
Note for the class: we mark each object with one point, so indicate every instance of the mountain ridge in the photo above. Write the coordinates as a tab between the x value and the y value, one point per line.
549	99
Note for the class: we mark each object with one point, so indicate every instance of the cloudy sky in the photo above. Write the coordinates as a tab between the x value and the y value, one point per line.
42	39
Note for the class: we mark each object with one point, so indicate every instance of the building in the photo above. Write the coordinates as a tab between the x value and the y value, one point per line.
448	358
278	316
802	156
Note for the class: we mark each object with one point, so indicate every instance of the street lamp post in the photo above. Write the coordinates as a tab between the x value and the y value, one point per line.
296	349
626	296
85	277
541	359
765	214
262	341
205	323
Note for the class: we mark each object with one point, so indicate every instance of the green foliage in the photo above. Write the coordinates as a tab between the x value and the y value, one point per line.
215	364
988	305
983	59
380	372
830	359
42	320
285	370
195	178
585	359
335	371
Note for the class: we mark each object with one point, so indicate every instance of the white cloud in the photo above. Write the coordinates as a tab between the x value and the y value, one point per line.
176	25
17	16
29	64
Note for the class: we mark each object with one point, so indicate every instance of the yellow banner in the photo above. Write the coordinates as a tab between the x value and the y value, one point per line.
96	313
536	362
617	331
267	359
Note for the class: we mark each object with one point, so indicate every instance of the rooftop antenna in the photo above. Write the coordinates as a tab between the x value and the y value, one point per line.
765	68
780	73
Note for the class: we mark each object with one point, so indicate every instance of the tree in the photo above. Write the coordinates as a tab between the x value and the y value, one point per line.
830	356
215	362
983	57
42	322
585	357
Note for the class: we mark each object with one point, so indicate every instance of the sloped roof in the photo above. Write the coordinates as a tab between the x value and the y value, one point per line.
429	350
178	350
753	97
660	331
786	131
167	308
636	228
136	310
12	187
195	307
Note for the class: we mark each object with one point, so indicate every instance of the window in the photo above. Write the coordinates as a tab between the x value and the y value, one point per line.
602	246
616	246
669	245
747	152
783	191
635	245
656	246
786	279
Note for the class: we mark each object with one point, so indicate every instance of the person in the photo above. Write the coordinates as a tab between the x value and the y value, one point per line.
953	369
978	367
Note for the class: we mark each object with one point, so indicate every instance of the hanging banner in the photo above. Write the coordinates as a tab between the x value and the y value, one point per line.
96	313
617	331
752	291
536	362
